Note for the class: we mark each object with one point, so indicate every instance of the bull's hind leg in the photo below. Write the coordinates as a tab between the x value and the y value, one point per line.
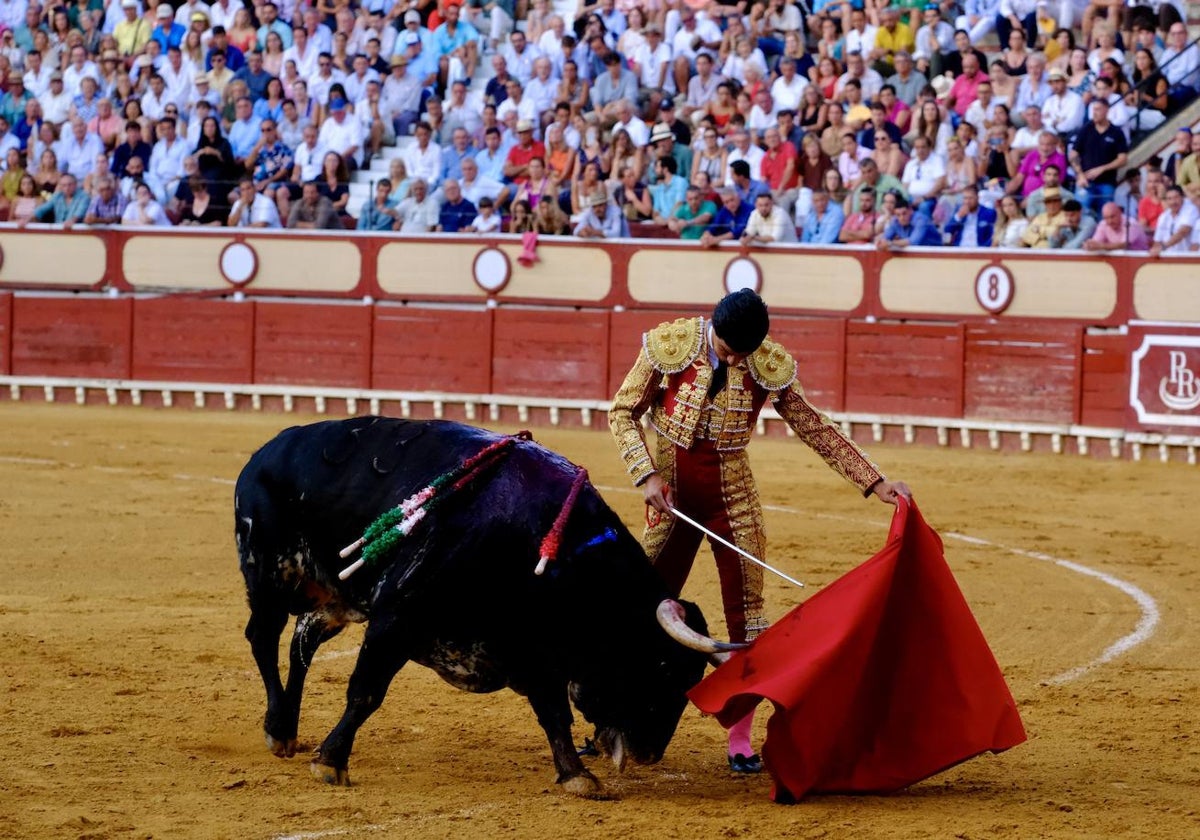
554	714
382	655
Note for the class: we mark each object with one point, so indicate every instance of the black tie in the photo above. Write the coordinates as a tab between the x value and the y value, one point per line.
720	374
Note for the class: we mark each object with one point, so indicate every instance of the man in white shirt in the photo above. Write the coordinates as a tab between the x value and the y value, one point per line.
178	77
419	212
222	12
37	74
629	122
768	223
423	159
696	36
788	89
1026	139
342	134
652	61
924	176
550	42
77	150
856	68
356	83
1063	110
476	186
56	102
457	112
166	160
520	56
252	208
326	76
860	37
79	67
520	104
12	13
743	149
303	52
1175	225
542	87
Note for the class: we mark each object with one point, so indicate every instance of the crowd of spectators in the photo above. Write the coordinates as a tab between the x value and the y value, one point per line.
980	123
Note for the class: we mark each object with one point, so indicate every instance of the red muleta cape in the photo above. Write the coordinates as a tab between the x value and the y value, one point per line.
881	679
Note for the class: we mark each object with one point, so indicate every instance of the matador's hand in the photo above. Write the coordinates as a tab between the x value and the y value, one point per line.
657	493
888	491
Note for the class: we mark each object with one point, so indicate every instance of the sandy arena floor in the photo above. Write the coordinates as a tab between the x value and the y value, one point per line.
132	707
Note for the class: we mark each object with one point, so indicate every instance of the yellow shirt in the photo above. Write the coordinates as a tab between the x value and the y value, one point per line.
1041	228
892	42
132	37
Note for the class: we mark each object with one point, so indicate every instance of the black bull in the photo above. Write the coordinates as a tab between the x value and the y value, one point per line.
459	595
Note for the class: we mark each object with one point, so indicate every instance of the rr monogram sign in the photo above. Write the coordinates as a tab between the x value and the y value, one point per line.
1164	388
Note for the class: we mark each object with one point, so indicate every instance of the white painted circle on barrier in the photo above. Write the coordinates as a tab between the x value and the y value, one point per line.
994	288
492	270
743	273
239	263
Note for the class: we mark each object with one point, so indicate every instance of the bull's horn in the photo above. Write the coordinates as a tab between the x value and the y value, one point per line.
670	618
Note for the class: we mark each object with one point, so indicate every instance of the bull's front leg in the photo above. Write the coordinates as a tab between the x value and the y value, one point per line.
554	714
267	620
382	655
312	630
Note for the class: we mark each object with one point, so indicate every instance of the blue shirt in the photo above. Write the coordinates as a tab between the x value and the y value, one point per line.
172	38
243	134
666	197
444	43
726	222
455	217
452	161
920	231
823	231
753	190
373	219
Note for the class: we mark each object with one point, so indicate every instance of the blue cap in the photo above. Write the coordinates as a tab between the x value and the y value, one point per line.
337	104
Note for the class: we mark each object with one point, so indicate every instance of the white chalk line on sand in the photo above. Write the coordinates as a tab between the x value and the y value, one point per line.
1143	630
407	821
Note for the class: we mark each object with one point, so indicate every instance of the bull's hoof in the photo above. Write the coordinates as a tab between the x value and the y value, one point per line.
587	786
285	748
330	775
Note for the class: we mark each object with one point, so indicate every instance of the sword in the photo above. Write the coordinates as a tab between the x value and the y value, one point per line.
728	544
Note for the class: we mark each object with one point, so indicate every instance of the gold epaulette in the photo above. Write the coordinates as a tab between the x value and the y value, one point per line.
771	366
673	345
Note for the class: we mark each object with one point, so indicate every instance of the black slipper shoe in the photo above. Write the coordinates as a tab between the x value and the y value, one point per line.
745	763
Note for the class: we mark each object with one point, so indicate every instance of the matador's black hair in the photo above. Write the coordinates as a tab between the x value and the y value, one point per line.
741	320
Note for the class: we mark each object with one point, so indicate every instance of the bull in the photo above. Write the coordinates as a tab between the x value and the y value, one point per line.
460	595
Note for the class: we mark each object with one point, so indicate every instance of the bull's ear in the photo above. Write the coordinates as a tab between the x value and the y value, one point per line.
670	618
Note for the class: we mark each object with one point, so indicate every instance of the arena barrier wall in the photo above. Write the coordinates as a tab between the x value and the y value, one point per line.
1015	348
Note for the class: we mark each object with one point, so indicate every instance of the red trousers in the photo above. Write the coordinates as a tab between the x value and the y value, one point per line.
718	491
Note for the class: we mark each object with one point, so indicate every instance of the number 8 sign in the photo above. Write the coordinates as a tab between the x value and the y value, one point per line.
994	288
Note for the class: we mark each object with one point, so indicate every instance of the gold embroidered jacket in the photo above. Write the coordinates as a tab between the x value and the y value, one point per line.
671	378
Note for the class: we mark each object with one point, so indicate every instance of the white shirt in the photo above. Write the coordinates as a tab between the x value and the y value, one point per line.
1063	114
306	63
785	96
871	83
921	176
166	162
356	86
179	82
526	110
541	94
72	76
56	109
682	42
38	83
650	64
12	13
426	165
861	42
262	209
309	159
183	15
154	213
521	65
1170	224
638	131
340	137
418	217
222	15
753	156
480	187
778	228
